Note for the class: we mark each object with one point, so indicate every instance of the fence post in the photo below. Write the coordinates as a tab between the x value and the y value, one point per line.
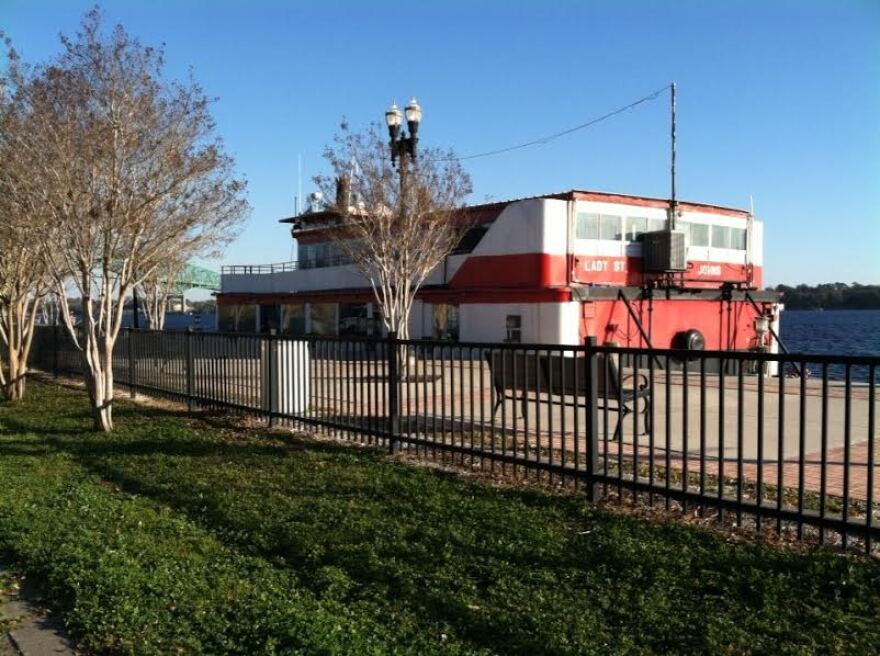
130	334
592	423
393	410
270	387
55	349
187	348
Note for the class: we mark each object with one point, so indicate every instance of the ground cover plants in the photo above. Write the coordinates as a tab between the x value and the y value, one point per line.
174	535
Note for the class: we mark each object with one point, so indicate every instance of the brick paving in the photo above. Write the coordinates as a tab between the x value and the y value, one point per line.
834	472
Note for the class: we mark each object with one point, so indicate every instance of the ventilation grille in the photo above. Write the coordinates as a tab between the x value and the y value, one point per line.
664	251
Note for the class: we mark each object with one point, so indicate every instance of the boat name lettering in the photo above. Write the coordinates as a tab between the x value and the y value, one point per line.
617	266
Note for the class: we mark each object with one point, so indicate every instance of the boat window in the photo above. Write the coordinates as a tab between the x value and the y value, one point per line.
685	227
246	319
635	225
587	226
470	239
720	237
514	328
323	318
699	234
293	319
237	318
446	322
322	254
226	317
738	239
269	318
354	320
609	227
656	224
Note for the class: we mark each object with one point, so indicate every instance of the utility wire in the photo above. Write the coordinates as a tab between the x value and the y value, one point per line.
556	135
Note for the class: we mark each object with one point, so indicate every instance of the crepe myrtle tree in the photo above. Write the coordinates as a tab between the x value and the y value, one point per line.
24	280
398	216
130	173
155	289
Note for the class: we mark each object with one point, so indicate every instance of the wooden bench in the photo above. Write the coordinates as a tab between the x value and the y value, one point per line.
525	377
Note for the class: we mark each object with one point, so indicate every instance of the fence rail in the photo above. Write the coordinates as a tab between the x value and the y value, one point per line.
709	432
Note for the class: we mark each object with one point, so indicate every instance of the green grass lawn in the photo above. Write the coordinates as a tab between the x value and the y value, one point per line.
174	536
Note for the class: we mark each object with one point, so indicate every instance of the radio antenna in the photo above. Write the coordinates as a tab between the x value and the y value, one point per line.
673	203
299	176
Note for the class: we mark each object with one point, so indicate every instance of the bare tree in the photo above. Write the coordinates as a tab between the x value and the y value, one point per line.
130	173
156	288
24	277
404	222
23	283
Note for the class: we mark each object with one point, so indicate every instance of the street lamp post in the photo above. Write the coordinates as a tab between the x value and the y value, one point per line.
403	147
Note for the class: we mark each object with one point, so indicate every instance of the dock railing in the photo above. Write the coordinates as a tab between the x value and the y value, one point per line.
707	433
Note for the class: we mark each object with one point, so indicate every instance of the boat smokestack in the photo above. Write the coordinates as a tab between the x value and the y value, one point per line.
343	193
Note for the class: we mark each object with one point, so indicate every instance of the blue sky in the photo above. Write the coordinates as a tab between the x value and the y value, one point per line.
777	100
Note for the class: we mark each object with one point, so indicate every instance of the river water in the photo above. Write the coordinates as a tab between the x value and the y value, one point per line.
835	332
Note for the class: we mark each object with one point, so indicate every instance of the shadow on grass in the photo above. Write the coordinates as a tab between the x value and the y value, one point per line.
347	524
509	571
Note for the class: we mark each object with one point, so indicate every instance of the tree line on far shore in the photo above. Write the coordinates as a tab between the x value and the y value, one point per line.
830	296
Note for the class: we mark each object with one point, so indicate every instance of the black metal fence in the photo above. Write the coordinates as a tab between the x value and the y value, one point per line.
796	455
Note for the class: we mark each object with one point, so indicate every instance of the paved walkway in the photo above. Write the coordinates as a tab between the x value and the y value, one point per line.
27	629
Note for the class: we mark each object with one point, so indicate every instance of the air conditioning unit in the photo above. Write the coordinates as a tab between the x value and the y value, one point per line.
664	251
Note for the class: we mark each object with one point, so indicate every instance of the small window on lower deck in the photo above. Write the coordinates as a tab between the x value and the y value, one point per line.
293	319
323	318
446	322
270	318
514	328
237	318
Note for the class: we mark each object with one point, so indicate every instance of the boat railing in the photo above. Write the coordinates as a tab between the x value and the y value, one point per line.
283	267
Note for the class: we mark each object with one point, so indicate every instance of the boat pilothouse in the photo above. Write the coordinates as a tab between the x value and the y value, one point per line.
551	269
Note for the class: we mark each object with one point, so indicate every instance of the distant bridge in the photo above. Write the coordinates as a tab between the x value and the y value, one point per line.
196	277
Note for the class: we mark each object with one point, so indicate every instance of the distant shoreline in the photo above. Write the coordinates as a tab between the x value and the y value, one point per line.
830	309
830	296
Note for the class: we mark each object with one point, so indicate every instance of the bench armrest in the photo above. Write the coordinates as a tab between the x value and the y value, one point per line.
642	381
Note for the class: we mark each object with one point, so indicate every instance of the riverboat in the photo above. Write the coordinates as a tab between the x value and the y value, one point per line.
628	270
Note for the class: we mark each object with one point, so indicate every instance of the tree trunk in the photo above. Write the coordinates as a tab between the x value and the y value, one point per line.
17	331
98	372
18	390
102	406
407	354
14	390
13	387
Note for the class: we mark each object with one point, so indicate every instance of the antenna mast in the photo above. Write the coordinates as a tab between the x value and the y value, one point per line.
673	204
299	177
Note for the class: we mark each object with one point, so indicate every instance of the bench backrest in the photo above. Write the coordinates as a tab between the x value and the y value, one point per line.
515	370
554	374
569	375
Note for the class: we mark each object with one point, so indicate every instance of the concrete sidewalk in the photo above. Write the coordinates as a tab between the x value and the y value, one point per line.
27	628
